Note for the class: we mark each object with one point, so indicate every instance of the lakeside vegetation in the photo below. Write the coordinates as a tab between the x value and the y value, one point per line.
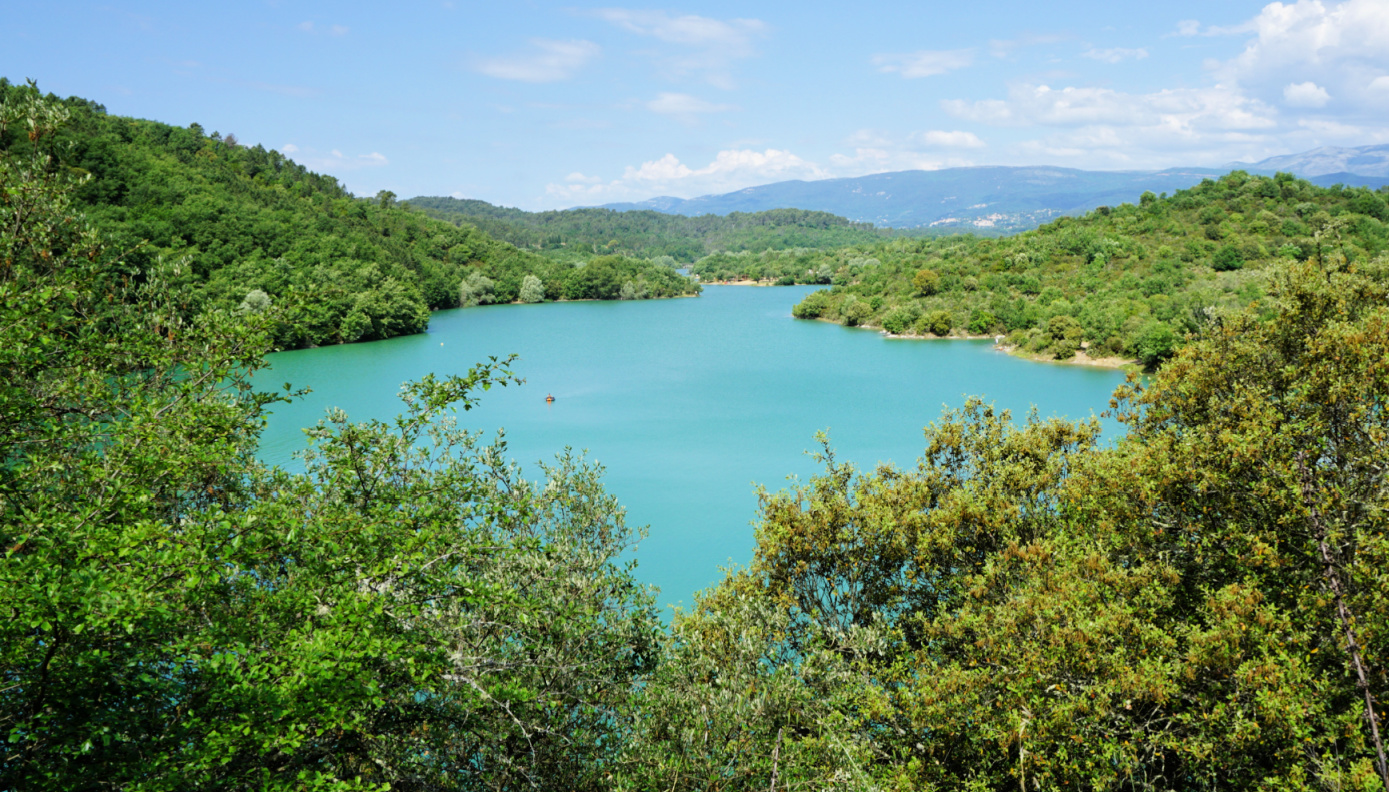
1203	604
1129	281
650	234
256	228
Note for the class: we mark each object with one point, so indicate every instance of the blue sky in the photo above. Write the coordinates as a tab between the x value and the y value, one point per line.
549	105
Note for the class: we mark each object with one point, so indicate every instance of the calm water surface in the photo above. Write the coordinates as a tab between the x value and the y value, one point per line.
688	403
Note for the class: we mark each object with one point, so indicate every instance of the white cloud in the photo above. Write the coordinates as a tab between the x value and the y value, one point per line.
687	29
1338	48
731	169
1189	109
1309	73
704	46
684	106
955	139
1003	48
737	168
1115	54
1188	27
924	63
876	151
548	60
1333	130
334	162
1305	94
866	160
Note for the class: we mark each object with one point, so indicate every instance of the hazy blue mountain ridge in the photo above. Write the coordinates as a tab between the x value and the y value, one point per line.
999	198
1333	161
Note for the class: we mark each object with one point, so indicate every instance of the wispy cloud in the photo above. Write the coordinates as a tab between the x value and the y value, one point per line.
547	60
731	169
699	45
1114	54
334	161
308	26
685	107
924	63
1003	48
954	139
687	29
876	151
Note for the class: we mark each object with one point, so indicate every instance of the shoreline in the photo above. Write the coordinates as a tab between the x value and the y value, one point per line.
1080	358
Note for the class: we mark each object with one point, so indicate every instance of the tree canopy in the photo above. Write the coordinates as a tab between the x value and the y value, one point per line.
247	220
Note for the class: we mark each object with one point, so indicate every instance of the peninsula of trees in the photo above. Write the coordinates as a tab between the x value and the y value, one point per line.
254	228
1128	281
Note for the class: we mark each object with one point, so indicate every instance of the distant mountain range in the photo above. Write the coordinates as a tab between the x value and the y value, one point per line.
1371	162
1007	199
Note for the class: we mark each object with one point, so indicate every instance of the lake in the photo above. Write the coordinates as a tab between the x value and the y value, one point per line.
688	403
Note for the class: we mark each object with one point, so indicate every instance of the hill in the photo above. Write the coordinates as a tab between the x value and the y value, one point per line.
254	228
1129	281
647	233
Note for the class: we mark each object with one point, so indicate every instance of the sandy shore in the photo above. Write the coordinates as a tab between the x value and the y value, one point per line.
1081	358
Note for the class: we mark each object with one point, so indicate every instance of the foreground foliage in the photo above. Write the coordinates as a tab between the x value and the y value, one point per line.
407	613
1204	605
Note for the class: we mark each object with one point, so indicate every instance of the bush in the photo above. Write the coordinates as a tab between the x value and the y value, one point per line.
813	306
981	321
1227	258
926	282
854	310
1156	341
900	320
476	289
936	322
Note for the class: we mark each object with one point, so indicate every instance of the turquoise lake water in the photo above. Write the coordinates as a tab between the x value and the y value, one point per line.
688	403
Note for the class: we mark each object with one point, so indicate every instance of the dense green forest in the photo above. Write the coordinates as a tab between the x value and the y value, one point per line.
1127	281
648	234
1202	604
254	228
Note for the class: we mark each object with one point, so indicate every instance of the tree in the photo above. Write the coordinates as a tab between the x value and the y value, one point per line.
532	290
408	611
926	282
476	289
937	322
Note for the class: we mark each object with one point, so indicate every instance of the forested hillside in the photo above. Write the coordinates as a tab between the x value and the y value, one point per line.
1127	281
256	228
648	234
